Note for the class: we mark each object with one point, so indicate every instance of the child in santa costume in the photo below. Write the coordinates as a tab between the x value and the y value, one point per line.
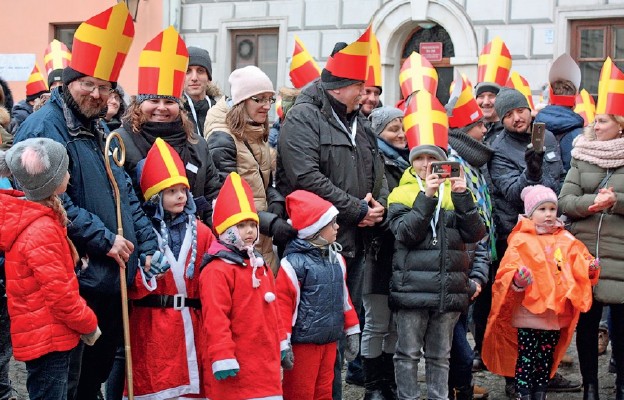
542	285
166	317
245	341
313	299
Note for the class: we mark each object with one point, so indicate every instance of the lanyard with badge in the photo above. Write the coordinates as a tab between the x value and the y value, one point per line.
436	216
192	107
353	128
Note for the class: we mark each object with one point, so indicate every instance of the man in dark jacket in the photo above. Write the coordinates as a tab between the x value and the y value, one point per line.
71	117
485	94
199	92
326	148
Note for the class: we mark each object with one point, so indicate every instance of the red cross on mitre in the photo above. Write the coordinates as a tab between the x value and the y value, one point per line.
494	62
162	65
425	121
102	42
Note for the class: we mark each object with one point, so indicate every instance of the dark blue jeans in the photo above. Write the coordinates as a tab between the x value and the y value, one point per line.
47	376
5	350
460	371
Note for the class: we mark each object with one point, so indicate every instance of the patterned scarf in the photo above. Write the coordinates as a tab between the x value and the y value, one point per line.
605	154
232	237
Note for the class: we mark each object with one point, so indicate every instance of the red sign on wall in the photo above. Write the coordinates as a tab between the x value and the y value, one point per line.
432	51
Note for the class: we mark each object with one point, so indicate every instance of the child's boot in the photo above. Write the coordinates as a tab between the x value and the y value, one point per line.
538	396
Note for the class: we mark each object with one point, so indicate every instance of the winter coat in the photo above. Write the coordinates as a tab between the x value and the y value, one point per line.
251	159
430	273
509	176
46	310
197	111
566	125
243	330
168	344
312	295
560	266
493	130
378	267
20	112
602	233
202	175
317	154
90	201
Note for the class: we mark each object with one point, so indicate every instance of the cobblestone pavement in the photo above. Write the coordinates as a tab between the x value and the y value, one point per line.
494	383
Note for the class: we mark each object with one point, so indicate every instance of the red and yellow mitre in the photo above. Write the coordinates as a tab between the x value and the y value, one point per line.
416	74
585	107
102	42
494	63
163	168
373	76
279	110
162	65
36	83
303	67
465	108
234	204
56	56
425	122
610	90
352	61
517	81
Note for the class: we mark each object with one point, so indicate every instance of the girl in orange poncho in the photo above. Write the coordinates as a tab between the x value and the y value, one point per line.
543	283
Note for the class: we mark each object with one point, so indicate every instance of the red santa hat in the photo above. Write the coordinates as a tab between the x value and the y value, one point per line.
308	212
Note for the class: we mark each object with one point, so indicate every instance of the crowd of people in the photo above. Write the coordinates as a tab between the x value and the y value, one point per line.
258	259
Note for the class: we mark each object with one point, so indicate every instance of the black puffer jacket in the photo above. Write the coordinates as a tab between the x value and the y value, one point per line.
317	154
508	173
426	273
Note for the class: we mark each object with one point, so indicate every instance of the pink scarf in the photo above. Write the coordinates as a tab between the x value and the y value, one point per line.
605	154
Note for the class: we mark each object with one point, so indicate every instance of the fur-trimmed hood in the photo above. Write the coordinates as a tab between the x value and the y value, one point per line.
8	95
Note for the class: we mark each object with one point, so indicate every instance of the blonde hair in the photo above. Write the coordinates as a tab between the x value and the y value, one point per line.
135	117
54	202
237	119
590	134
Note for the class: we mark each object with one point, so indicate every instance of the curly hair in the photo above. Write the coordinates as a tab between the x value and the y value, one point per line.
135	118
237	118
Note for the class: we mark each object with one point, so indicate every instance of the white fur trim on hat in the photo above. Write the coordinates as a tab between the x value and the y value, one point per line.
247	82
319	224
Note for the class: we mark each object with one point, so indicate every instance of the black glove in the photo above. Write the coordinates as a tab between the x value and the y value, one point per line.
282	232
534	162
278	208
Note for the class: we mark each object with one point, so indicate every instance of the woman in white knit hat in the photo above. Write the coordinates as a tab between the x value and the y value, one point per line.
237	131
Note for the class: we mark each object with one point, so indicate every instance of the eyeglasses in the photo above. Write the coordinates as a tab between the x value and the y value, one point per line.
88	86
265	100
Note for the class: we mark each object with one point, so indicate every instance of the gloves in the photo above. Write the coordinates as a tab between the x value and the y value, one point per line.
534	162
282	232
90	338
353	347
594	266
277	208
523	277
158	266
226	373
288	358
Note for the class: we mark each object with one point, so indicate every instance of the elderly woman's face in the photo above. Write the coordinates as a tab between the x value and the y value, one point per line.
606	128
393	133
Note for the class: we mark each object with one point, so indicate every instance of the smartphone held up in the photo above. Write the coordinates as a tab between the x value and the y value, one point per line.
537	136
446	169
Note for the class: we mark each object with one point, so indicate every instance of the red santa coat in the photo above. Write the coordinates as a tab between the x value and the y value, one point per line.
241	326
167	343
560	266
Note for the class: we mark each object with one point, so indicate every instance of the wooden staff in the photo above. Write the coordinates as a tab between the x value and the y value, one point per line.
119	157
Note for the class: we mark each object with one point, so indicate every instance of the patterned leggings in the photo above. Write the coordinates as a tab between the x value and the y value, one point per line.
535	358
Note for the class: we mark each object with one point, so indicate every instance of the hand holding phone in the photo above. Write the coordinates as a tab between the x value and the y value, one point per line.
446	169
537	136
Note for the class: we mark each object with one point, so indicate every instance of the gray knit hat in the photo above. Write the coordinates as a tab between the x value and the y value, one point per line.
200	57
486	87
431	149
380	117
38	165
509	99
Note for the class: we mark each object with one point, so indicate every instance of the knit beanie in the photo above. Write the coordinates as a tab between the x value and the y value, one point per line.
509	99
56	75
200	57
534	196
430	149
38	165
330	81
380	117
308	212
247	82
486	87
70	75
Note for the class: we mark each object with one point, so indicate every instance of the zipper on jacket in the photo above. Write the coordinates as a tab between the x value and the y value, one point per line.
442	241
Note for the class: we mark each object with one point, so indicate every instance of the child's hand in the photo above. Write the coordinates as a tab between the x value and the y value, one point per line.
90	338
433	182
288	358
353	347
594	266
154	265
221	375
523	277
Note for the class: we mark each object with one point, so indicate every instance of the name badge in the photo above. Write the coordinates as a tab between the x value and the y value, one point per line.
192	168
550	155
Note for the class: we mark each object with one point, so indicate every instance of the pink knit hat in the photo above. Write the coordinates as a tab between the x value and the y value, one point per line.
248	81
308	212
534	196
